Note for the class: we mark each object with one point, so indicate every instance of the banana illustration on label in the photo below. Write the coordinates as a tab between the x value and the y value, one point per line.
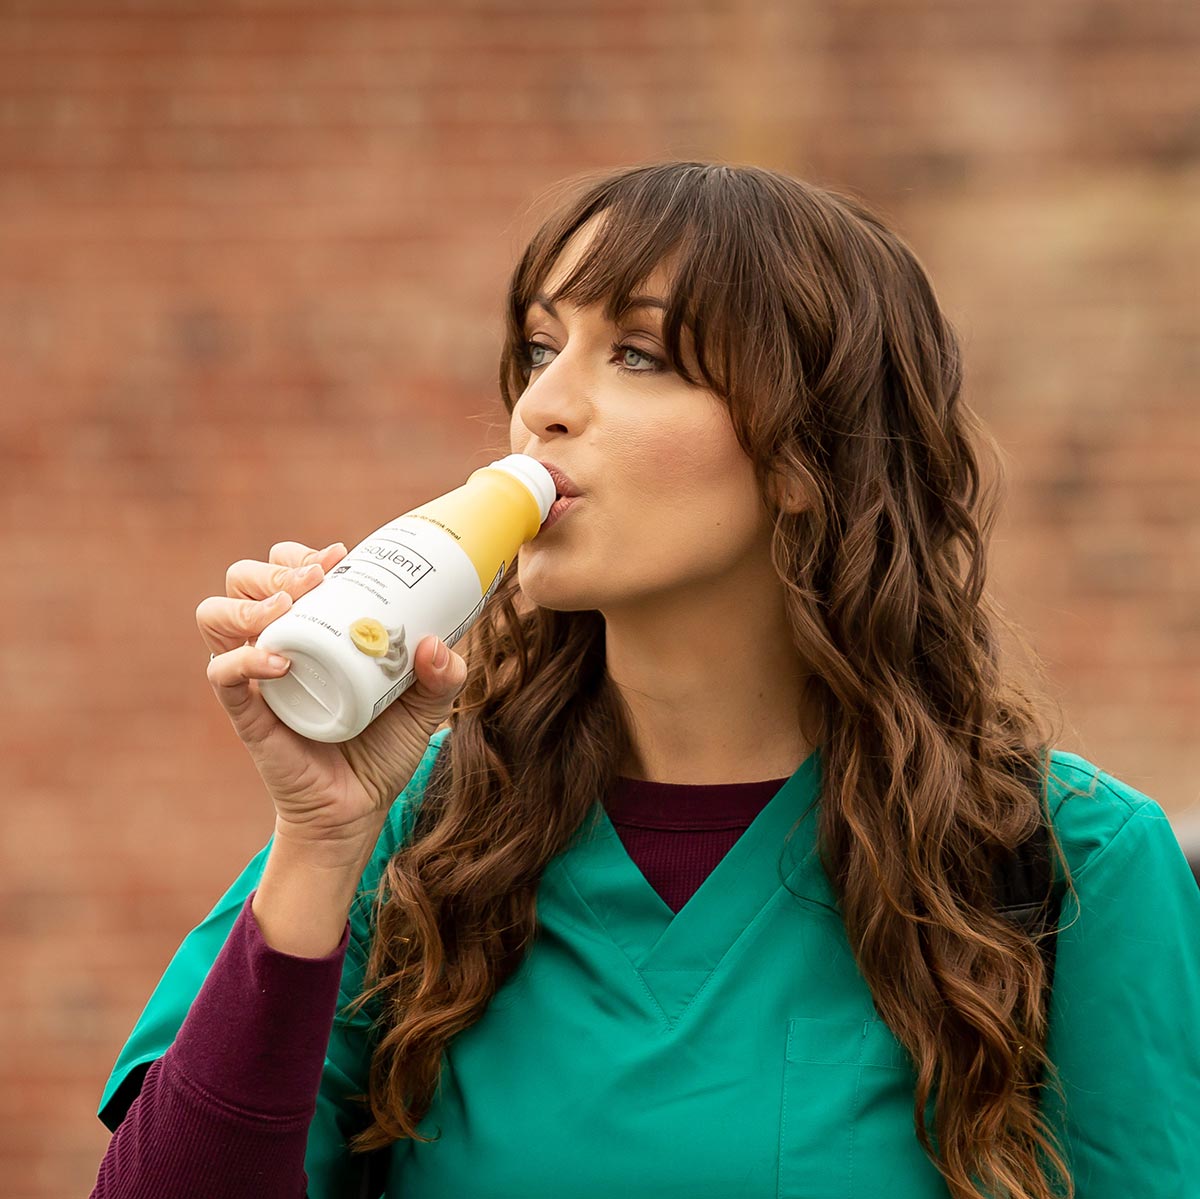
370	636
387	645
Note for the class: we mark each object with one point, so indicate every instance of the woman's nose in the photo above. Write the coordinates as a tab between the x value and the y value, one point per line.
558	395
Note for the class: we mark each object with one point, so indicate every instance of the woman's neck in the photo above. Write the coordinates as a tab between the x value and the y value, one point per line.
711	701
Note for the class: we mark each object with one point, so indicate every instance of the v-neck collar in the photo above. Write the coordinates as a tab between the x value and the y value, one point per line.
674	952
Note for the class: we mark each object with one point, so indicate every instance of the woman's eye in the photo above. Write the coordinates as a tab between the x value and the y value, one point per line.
637	361
534	351
628	358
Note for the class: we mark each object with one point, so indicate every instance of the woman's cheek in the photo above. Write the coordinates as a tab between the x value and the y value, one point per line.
671	461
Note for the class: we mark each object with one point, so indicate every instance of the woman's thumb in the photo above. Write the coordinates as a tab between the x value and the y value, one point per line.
441	673
391	747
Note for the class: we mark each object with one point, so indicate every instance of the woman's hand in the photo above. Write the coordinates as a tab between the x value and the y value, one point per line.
327	796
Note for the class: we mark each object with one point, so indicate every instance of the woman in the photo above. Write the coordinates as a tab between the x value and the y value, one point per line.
691	885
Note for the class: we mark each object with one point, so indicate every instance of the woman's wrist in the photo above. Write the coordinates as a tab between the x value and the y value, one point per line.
304	896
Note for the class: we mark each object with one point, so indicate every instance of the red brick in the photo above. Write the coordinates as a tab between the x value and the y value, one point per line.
235	235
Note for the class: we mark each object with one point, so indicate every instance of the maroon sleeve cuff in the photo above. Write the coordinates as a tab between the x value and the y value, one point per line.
256	1034
226	1110
177	1141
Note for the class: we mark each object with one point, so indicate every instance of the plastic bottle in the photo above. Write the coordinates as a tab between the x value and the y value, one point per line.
351	639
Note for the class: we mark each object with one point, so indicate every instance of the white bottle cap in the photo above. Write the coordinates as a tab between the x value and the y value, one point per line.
533	474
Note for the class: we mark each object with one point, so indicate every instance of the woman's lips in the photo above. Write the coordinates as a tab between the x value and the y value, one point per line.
558	510
562	481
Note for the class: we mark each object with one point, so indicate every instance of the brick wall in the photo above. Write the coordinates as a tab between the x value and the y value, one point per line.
251	261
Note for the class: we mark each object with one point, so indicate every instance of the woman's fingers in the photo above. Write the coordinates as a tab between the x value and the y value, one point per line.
230	674
251	579
256	594
260	592
226	624
296	553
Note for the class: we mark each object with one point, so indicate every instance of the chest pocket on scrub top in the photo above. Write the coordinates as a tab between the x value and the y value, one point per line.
845	1128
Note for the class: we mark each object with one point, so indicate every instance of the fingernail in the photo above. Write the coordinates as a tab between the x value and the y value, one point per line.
276	662
337	545
441	655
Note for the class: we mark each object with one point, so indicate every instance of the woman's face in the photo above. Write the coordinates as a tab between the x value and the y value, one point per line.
668	499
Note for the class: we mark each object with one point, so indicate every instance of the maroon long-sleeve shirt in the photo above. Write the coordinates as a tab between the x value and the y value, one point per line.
225	1111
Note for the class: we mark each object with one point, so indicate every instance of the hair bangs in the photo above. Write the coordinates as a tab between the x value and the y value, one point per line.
647	220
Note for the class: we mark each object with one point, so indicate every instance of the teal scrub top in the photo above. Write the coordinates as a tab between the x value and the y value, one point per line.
732	1049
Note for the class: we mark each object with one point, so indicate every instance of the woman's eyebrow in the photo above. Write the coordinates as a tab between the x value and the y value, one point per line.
633	302
642	302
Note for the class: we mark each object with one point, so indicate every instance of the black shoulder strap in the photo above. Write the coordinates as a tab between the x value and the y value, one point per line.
1027	892
372	1173
1028	895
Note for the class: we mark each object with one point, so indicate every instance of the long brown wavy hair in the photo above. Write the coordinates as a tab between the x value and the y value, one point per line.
819	329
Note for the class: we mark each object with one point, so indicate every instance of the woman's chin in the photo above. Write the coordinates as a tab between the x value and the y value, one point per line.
557	599
549	586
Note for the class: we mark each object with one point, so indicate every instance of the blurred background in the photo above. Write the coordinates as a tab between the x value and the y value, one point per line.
252	262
